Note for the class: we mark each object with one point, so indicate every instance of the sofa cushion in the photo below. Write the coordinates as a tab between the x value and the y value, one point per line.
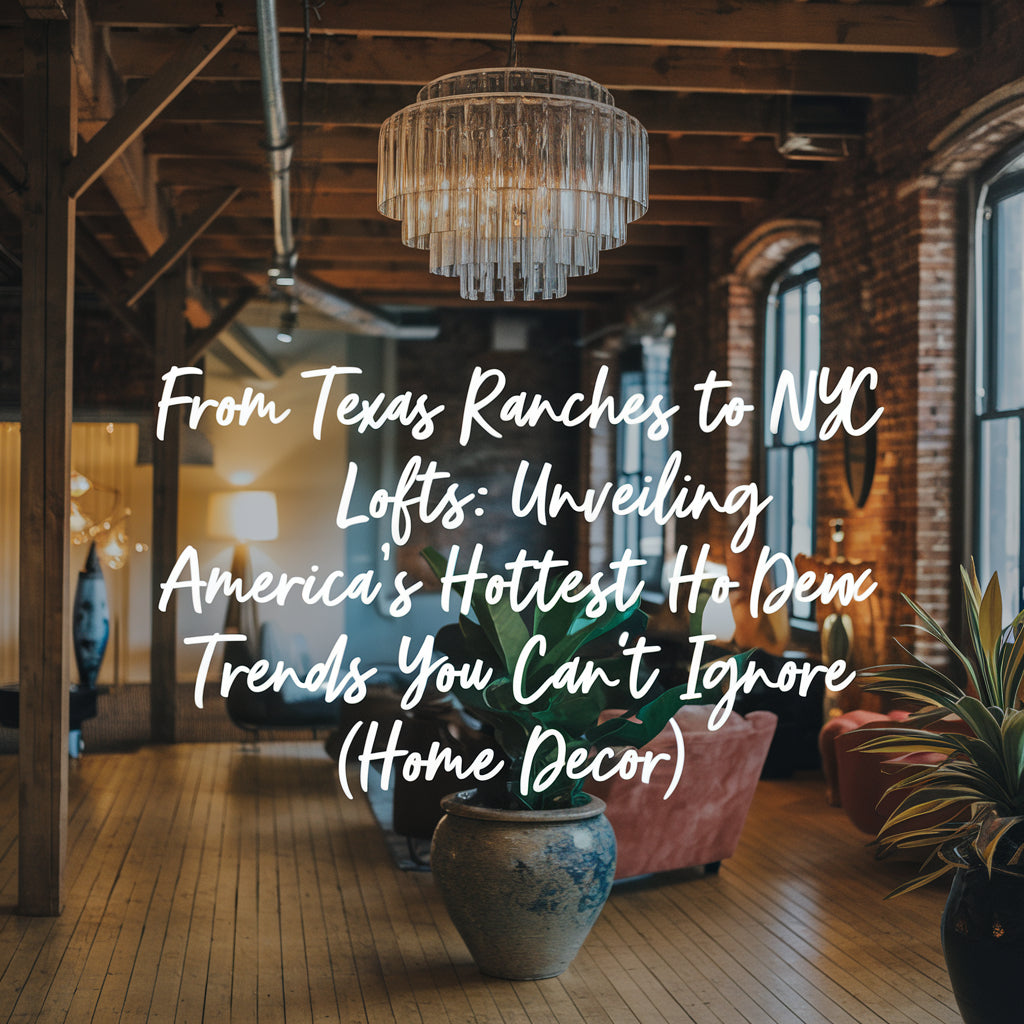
701	822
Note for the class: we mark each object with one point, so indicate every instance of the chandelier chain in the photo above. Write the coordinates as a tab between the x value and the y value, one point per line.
514	7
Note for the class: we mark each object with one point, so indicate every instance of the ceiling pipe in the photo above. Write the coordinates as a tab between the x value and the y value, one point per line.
278	142
359	318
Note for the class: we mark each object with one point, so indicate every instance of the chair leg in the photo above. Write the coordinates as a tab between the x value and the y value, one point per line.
712	868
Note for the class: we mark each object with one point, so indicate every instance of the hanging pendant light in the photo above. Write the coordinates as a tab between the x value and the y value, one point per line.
513	178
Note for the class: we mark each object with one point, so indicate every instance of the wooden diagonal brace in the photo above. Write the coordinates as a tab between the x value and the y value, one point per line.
176	244
144	106
100	271
201	340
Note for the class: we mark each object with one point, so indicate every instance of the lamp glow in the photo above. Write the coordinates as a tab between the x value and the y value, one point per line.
242	515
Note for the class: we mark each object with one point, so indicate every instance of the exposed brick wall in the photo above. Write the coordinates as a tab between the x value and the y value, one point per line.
442	369
892	270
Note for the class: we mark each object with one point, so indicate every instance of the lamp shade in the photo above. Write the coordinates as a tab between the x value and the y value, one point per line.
718	615
242	515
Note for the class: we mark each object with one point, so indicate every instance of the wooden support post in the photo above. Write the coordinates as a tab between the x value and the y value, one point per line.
169	351
46	367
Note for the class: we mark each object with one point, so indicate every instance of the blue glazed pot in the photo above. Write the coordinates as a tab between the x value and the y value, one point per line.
523	888
90	620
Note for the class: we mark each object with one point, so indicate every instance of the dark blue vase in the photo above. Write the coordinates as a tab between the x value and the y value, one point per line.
90	620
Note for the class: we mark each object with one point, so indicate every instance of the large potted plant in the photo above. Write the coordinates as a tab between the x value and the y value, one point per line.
525	862
966	808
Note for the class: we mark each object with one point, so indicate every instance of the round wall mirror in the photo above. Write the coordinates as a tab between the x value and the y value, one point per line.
860	450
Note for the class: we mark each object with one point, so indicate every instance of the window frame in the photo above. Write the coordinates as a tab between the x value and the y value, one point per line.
652	356
786	279
1003	180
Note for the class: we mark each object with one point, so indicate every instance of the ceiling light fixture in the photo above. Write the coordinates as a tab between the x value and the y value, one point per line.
513	178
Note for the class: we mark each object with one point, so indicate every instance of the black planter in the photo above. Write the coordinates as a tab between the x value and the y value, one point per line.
983	940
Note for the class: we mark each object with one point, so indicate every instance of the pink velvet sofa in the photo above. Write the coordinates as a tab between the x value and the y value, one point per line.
700	824
858	780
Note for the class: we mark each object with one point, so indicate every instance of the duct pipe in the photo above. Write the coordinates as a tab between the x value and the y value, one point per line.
363	319
278	141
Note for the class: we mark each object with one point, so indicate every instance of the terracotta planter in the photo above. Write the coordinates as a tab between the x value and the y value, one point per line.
983	941
523	888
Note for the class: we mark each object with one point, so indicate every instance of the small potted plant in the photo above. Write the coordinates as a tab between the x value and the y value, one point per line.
525	862
967	807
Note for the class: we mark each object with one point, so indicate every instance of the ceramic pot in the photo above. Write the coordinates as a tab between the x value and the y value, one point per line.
90	622
983	941
523	888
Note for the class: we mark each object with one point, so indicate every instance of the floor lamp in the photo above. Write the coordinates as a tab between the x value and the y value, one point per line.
242	516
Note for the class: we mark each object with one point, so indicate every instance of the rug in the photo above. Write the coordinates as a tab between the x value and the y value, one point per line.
407	854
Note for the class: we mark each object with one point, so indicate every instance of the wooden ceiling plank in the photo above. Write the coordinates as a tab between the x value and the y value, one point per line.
423	280
362	179
143	106
222	320
175	246
339	59
354	105
106	278
170	141
45	9
389	251
772	24
346	145
257	221
362	206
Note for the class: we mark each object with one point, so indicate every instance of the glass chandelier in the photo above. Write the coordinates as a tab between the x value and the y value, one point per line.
513	178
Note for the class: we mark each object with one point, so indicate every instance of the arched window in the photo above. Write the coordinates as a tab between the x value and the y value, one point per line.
792	342
999	377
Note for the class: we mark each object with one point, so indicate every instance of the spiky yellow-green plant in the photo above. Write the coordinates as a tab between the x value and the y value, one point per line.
964	807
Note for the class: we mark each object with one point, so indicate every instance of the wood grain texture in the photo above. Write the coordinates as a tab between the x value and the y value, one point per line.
46	369
207	882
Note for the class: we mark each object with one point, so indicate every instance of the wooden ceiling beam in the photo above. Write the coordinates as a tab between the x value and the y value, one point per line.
351	145
129	179
356	230
143	107
354	280
367	105
390	251
175	246
772	24
98	268
172	141
363	206
46	9
222	320
362	179
339	58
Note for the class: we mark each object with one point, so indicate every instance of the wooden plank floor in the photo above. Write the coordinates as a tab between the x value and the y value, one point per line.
207	883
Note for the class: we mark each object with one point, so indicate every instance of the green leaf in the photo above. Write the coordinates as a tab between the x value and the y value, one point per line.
981	721
1012	667
559	620
568	646
504	627
989	620
1013	750
935	630
920	880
